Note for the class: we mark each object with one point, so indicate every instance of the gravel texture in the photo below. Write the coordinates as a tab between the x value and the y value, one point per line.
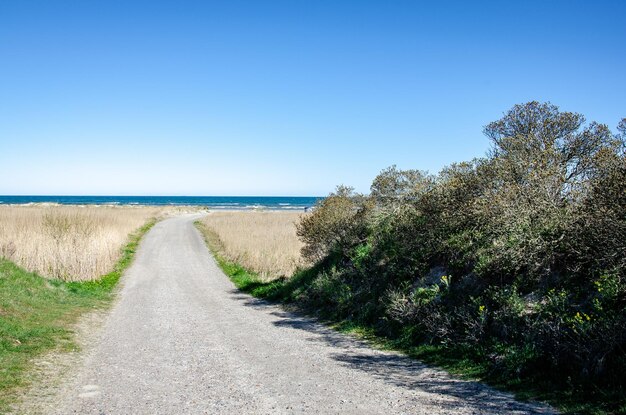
182	340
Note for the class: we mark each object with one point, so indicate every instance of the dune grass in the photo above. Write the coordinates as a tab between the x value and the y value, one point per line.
264	242
37	314
71	243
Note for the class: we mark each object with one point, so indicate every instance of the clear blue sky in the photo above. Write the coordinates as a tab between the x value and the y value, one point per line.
282	97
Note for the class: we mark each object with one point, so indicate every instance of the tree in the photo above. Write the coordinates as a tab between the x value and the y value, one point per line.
334	224
541	148
391	183
542	167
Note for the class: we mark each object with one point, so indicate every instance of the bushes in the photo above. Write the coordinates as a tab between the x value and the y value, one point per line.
519	256
335	226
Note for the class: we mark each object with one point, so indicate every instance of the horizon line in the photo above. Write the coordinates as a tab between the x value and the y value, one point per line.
113	195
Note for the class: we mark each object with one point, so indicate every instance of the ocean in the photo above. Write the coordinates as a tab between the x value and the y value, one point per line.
211	202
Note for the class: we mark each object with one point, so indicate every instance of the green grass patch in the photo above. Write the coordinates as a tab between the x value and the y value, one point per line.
37	314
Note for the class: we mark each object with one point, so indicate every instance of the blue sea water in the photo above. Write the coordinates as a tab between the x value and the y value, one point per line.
211	202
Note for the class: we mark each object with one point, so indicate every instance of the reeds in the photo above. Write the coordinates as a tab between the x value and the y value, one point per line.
73	243
264	242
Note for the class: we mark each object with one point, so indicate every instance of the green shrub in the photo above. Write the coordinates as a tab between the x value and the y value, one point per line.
534	234
335	224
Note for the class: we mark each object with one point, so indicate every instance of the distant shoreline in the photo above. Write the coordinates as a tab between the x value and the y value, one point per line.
217	203
206	208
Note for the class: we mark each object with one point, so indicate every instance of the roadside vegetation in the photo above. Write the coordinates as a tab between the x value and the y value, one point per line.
265	242
71	243
37	313
510	268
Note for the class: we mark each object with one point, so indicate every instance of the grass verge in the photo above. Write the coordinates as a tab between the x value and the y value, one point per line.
463	363
37	314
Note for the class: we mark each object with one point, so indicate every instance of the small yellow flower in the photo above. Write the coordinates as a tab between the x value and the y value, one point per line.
578	318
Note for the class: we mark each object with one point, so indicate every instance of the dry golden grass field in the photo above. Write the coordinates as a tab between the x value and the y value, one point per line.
264	242
68	242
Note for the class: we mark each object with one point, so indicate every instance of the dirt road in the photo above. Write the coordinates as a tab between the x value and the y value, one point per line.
182	340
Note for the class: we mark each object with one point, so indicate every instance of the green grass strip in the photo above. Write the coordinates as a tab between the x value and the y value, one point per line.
37	314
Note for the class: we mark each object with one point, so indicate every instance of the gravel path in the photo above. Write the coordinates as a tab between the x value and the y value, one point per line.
182	340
